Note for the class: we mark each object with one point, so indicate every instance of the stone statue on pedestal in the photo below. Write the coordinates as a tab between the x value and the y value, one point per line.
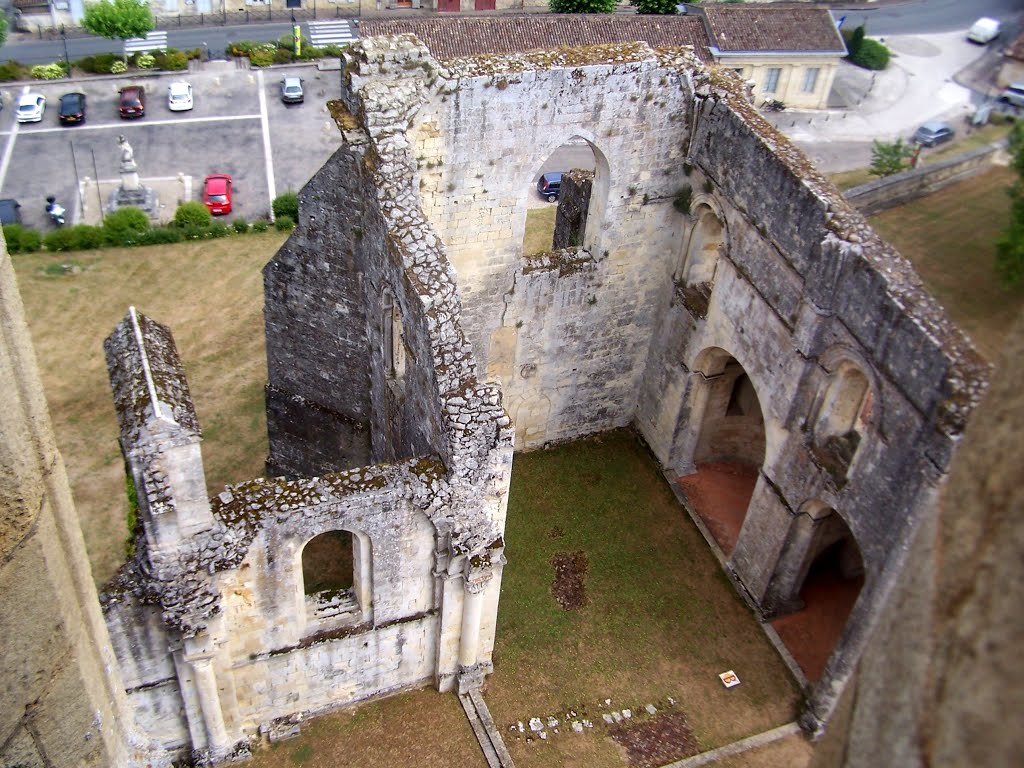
131	192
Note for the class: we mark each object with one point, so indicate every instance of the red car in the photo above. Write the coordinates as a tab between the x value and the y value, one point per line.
217	193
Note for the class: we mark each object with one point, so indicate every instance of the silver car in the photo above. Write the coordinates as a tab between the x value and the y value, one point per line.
1013	94
291	90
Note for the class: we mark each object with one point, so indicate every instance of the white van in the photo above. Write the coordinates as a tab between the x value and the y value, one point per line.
983	31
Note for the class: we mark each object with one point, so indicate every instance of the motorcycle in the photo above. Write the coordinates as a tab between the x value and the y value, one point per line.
55	210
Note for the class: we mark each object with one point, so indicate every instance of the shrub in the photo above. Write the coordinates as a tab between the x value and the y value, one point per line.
118	67
260	225
195	53
241	226
334	50
59	240
54	71
218	229
192	214
100	64
242	47
11	70
261	58
21	239
145	60
871	55
171	60
284	223
125	226
281	56
161	236
286	205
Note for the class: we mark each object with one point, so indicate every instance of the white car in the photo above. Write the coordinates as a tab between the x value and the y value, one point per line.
30	108
179	96
984	31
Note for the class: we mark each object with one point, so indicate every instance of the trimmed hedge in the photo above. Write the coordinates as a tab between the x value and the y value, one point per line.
871	55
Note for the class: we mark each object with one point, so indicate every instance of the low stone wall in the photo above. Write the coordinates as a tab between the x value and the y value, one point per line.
890	191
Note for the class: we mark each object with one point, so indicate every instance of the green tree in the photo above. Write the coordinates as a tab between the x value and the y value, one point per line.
118	19
1010	243
582	6
888	158
663	7
3	29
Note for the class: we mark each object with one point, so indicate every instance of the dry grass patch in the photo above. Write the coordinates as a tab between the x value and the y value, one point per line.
421	728
949	237
792	752
661	620
211	295
540	230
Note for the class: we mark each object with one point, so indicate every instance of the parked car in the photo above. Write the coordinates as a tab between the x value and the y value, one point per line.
984	31
932	133
31	107
72	109
291	90
217	193
1013	94
10	211
549	185
132	101
179	96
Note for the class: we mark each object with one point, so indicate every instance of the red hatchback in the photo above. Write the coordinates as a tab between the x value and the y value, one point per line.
217	193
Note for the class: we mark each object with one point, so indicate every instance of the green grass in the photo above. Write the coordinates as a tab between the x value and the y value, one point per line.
540	230
949	236
661	620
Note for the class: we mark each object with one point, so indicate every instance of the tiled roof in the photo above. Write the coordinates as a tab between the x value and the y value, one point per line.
451	37
748	29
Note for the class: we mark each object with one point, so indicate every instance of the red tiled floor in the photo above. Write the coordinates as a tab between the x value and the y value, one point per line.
720	493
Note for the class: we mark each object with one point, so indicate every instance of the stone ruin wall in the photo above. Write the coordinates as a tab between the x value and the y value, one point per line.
590	338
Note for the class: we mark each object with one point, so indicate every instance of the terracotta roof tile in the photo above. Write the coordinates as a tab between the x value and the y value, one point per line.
450	37
750	28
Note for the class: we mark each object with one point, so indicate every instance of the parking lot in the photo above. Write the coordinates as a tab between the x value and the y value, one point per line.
238	126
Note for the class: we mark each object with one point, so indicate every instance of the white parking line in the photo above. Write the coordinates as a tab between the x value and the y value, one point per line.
271	186
134	124
9	149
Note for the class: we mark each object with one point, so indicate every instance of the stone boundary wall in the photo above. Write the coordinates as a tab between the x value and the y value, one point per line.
890	191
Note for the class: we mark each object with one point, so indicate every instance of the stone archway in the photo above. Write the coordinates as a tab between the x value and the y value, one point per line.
723	445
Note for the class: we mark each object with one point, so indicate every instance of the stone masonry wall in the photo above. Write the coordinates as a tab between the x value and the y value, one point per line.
573	206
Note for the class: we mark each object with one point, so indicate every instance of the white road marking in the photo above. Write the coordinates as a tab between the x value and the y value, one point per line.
135	124
9	149
271	186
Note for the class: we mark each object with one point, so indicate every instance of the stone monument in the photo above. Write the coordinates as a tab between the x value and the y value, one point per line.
132	192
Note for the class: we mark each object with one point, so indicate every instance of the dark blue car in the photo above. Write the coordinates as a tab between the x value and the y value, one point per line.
549	185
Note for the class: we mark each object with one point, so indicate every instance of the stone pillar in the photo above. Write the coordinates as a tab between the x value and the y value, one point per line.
478	575
684	446
205	679
782	596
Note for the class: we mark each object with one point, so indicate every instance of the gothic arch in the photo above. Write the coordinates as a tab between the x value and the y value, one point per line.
704	244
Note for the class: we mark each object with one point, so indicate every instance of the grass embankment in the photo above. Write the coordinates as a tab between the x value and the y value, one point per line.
949	237
211	295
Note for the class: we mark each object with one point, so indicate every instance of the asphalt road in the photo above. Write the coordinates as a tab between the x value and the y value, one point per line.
925	16
238	126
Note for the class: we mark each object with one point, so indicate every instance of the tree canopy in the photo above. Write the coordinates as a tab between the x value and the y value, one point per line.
1010	244
3	29
582	6
663	7
888	158
118	19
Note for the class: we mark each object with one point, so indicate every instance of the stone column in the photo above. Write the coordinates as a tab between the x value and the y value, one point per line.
684	446
217	738
478	575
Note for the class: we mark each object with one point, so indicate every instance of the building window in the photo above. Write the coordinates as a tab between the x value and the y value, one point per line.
335	568
811	79
771	80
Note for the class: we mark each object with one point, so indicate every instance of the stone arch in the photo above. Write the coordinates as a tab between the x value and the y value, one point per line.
844	408
724	443
333	577
816	582
706	240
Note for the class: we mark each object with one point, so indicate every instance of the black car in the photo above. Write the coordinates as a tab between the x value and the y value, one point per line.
10	211
549	185
72	109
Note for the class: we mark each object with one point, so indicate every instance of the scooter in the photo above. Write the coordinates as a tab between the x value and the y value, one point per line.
56	211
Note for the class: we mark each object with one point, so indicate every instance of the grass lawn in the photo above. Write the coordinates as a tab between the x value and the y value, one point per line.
540	230
211	295
949	236
661	620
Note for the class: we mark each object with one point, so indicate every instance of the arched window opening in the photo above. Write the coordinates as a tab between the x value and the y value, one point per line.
335	575
392	337
845	409
560	202
697	276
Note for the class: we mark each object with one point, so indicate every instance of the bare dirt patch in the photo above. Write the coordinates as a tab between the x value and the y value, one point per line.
655	742
569	588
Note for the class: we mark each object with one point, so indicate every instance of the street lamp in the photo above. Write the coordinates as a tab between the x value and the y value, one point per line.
67	59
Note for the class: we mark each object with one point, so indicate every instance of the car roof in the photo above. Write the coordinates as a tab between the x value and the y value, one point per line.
130	89
934	126
1015	87
179	87
291	80
217	181
74	95
29	98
